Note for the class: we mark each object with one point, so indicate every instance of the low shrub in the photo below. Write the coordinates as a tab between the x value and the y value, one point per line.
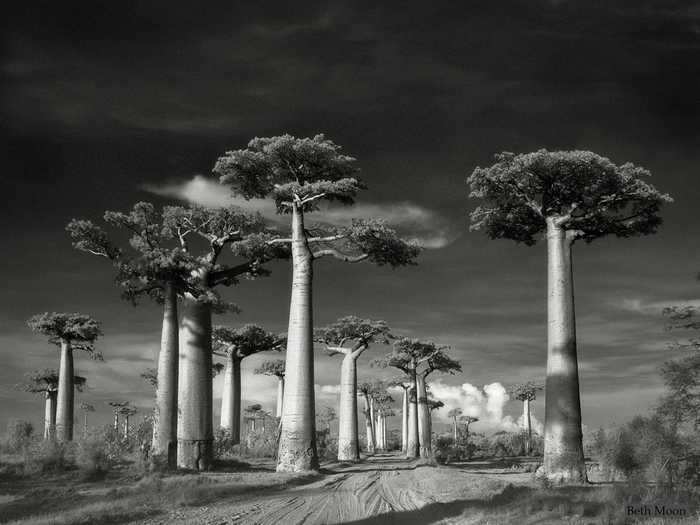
18	436
47	456
91	457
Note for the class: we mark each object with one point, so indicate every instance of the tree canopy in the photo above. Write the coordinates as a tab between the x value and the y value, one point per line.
526	391
302	173
46	380
583	192
80	330
353	331
244	341
423	356
271	368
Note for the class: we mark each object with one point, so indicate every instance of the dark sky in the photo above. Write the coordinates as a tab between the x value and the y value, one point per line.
107	103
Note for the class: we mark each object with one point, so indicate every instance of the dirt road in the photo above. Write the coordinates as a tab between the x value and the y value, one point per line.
383	489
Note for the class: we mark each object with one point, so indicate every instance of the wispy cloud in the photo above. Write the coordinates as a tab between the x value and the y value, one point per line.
416	223
653	307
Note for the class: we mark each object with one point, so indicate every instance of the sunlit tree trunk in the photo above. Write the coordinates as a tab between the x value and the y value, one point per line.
371	445
528	426
280	395
404	422
194	426
454	425
64	409
50	415
126	426
164	443
348	443
425	448
563	450
386	445
231	398
413	444
297	449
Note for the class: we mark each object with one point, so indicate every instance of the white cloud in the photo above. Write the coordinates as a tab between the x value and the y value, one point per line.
486	403
329	390
419	224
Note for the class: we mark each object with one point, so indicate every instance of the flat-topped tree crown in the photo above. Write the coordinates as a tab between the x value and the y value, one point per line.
271	368
291	171
578	191
526	391
244	341
408	354
455	412
435	404
87	407
80	330
352	334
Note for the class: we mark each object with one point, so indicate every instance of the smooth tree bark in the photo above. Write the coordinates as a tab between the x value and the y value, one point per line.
371	444
280	396
297	450
563	443
413	441
231	398
164	442
404	421
425	449
50	414
528	426
66	394
568	195
348	442
195	433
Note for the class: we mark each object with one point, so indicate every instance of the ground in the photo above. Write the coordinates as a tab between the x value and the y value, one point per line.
383	489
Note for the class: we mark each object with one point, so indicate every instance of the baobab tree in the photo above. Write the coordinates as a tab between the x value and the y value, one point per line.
151	265
298	174
117	408
368	391
433	404
568	196
276	369
45	382
69	331
405	387
350	336
526	392
418	359
235	344
382	406
126	412
86	408
468	420
247	238
454	414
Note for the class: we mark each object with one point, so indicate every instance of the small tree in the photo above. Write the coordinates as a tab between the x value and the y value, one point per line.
526	392
454	414
368	391
568	195
401	383
117	408
418	359
276	369
326	417
69	332
235	345
45	382
298	174
126	412
350	336
86	408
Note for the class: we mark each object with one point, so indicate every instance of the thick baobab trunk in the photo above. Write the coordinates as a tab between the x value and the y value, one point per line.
231	398
280	395
563	449
126	426
194	425
64	408
413	443
425	447
164	443
404	422
348	442
50	415
378	431
454	424
115	422
386	446
371	445
528	426
297	449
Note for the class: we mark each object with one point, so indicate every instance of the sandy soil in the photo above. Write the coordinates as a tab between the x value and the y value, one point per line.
383	489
